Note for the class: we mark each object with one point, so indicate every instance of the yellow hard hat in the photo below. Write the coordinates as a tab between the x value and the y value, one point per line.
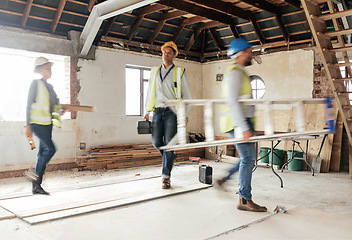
172	45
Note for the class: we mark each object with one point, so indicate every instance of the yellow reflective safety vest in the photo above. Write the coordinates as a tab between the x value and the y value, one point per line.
226	120
40	110
178	71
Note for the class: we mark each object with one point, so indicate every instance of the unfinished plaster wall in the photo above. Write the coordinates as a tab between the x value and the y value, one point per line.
287	75
102	84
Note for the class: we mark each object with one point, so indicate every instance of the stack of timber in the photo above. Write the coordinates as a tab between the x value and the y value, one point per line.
130	155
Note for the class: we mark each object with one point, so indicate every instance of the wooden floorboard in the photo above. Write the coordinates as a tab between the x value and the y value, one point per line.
40	208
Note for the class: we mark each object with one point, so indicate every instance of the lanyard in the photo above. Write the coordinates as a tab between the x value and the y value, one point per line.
161	78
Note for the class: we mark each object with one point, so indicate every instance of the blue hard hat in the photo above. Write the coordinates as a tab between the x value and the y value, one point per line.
237	45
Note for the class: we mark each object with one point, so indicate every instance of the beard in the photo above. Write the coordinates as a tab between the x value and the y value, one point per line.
248	63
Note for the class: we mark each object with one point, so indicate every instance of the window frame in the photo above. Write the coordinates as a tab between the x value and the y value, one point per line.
258	78
141	90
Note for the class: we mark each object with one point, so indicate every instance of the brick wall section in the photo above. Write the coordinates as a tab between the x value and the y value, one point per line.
75	86
321	86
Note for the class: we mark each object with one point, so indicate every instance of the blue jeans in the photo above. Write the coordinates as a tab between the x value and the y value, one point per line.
164	129
46	146
245	166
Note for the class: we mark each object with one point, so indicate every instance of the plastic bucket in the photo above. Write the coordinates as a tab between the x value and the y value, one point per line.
295	164
278	155
262	152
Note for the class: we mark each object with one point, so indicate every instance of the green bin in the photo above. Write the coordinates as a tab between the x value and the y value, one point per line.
262	152
295	164
278	155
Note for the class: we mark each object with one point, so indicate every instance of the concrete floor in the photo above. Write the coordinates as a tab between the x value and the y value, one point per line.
318	207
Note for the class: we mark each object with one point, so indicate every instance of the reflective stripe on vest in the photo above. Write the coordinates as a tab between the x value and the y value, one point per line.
40	109
226	119
178	71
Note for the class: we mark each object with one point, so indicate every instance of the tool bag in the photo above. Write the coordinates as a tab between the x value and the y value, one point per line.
144	127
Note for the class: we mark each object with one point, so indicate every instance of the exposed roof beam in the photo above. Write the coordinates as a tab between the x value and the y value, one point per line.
256	28
148	46
216	39
58	14
224	7
106	28
264	5
91	5
198	10
234	31
200	27
204	34
144	11
294	3
27	9
282	27
163	19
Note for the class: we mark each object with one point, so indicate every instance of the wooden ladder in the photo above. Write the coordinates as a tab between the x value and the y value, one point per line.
317	23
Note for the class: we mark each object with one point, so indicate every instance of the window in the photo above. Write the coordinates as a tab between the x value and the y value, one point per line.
258	87
16	76
136	89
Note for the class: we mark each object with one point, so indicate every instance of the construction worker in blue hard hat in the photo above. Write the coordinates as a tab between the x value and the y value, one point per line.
235	86
167	81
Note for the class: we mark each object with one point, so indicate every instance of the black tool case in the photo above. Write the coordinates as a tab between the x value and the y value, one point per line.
144	127
205	174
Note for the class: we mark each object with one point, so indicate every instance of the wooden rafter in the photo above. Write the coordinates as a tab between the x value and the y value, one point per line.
282	27
58	14
264	5
216	39
145	10
164	18
200	27
256	28
91	5
26	12
294	3
106	28
198	10
203	35
224	7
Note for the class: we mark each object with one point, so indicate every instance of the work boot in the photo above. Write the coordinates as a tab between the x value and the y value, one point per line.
166	183
37	188
220	183
249	205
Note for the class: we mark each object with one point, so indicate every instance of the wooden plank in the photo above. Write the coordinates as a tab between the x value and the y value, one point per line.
336	146
35	208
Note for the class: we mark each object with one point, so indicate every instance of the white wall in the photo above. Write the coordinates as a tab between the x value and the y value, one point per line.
286	74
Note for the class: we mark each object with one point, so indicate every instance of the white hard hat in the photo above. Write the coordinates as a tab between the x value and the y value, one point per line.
41	61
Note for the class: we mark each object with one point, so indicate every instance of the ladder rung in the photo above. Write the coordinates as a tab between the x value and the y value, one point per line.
318	19
338	33
349	119
336	15
344	92
341	49
342	79
343	64
323	35
347	106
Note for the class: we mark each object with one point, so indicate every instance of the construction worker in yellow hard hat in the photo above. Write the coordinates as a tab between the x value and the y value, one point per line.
172	45
167	81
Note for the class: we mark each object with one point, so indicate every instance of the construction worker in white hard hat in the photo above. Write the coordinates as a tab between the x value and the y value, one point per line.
43	110
235	86
167	81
